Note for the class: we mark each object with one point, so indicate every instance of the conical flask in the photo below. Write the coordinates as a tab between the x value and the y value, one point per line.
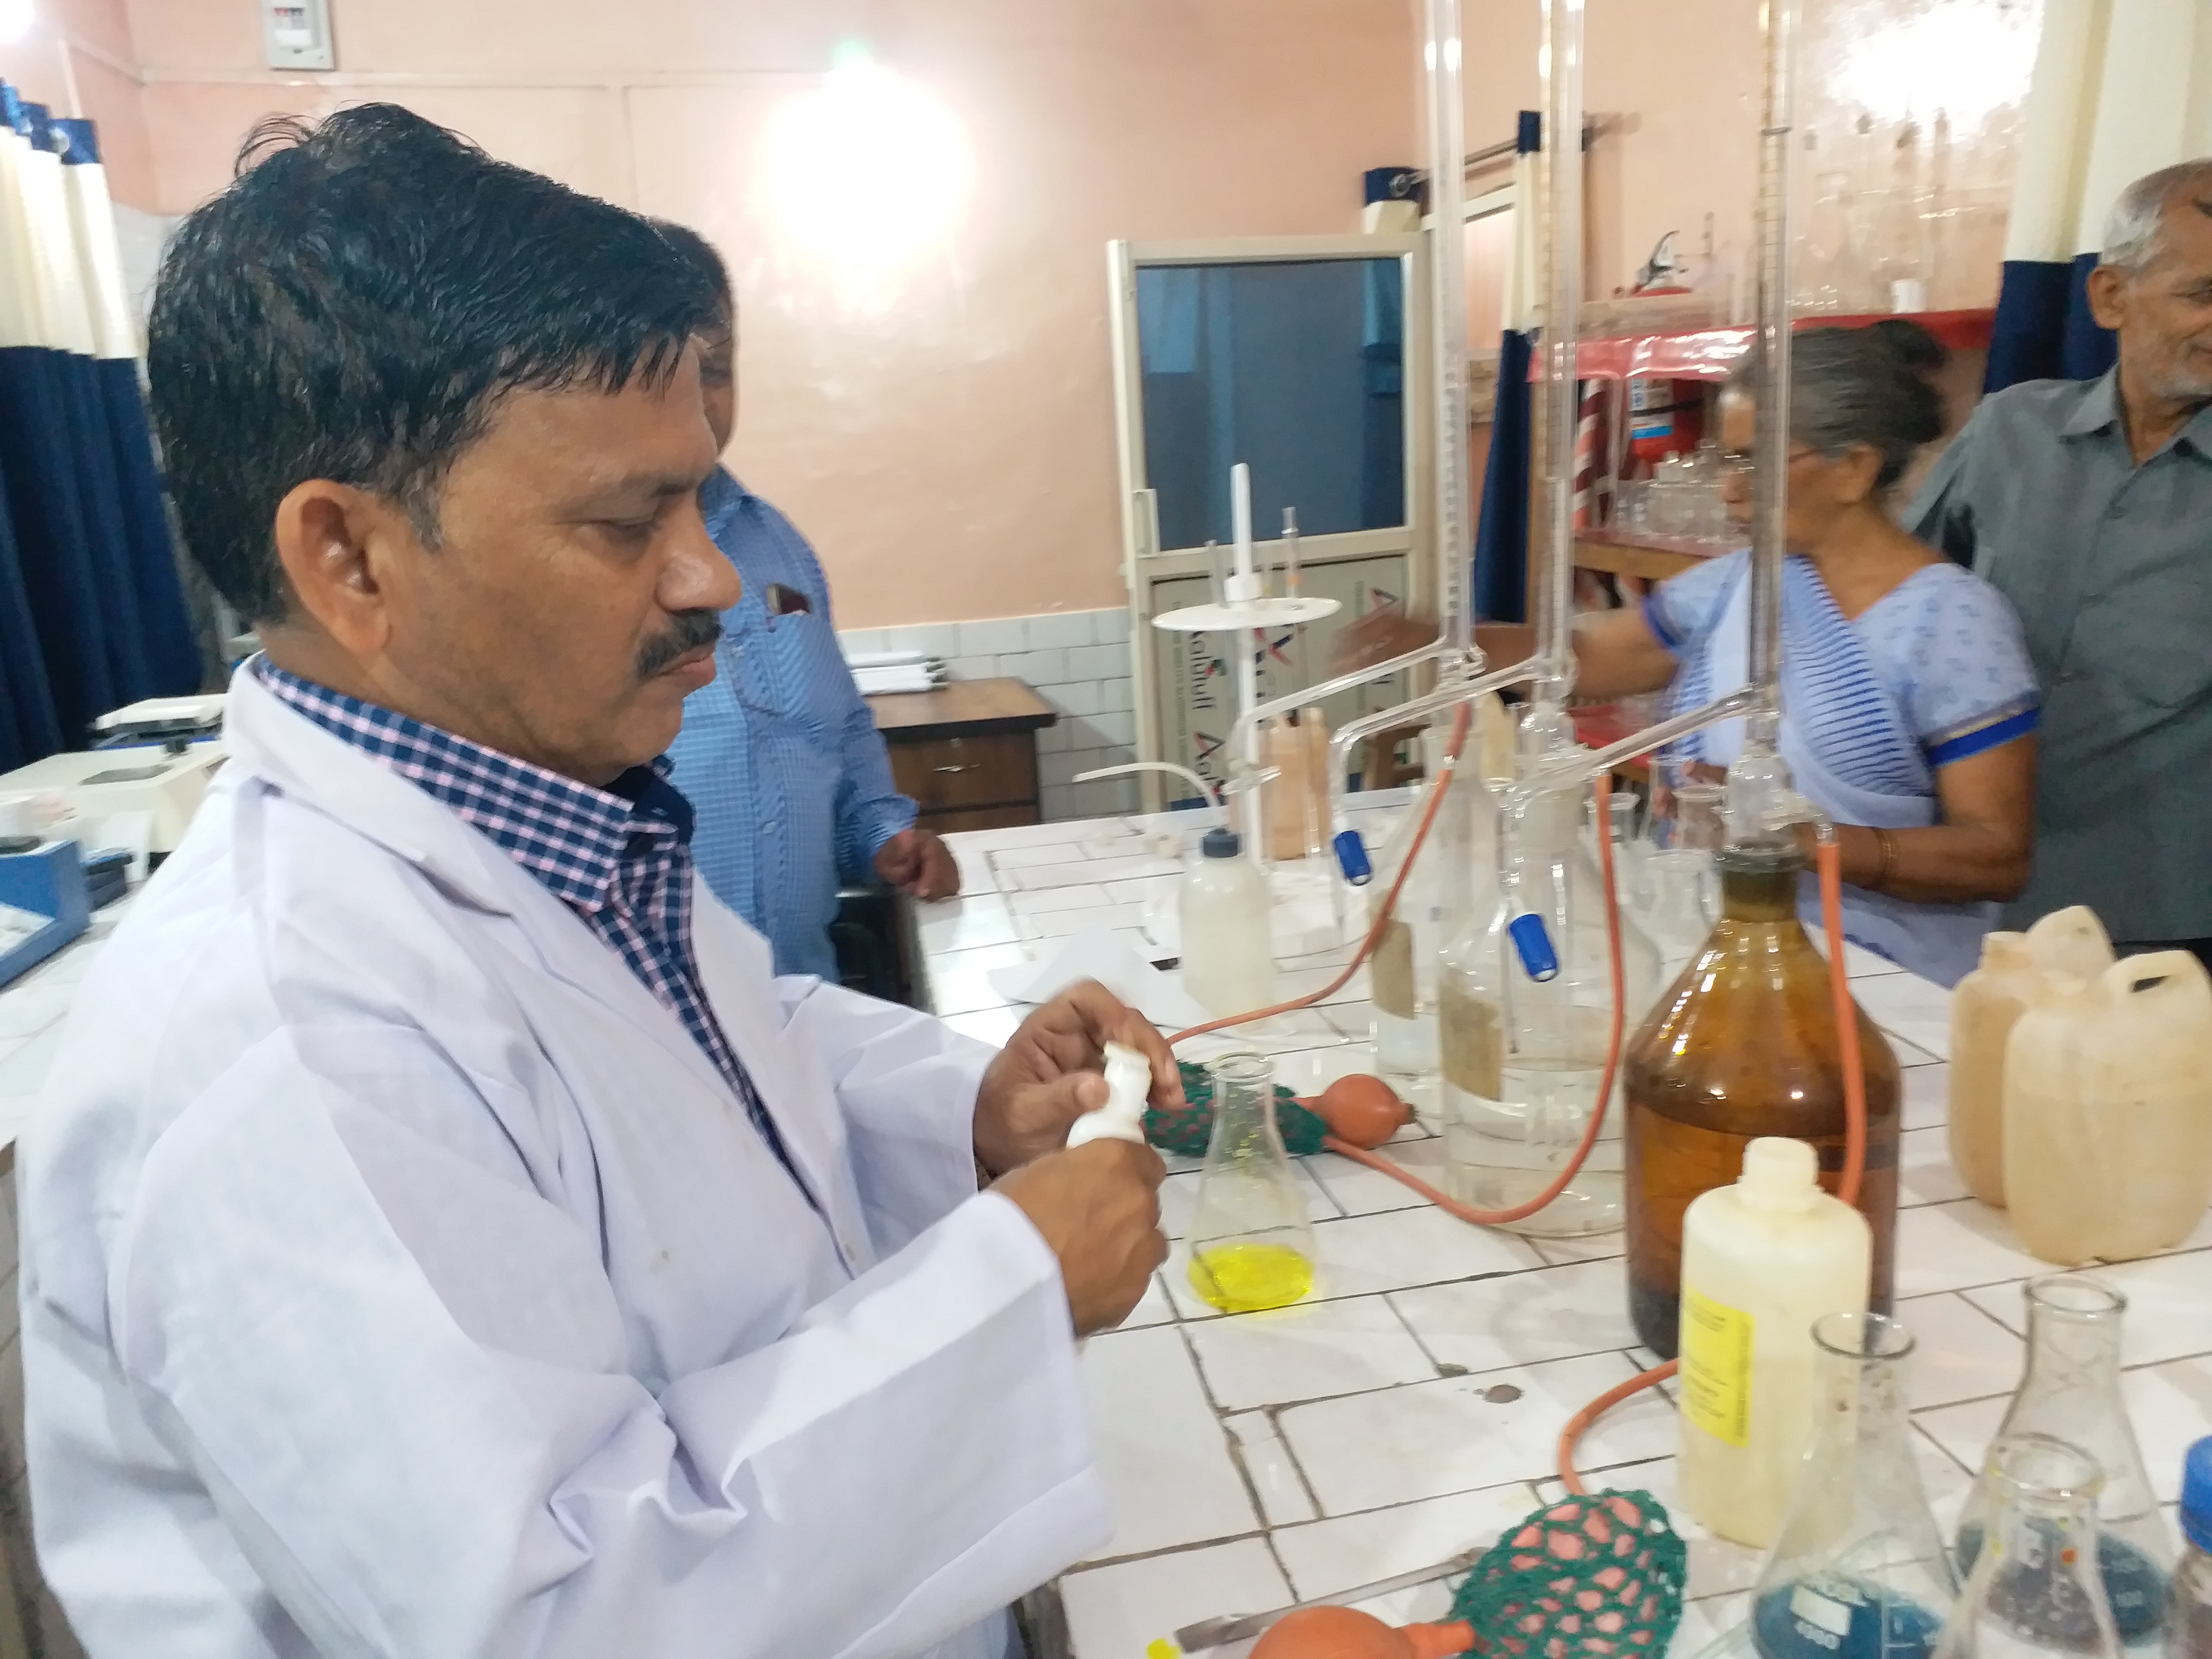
2035	1592
1858	1570
2071	1390
1524	1058
1251	1244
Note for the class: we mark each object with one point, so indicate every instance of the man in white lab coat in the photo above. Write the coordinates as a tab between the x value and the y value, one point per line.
443	1236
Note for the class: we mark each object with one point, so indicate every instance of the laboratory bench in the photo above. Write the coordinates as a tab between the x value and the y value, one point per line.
1408	1411
966	752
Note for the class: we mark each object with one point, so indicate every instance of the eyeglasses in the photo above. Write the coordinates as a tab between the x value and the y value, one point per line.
1738	463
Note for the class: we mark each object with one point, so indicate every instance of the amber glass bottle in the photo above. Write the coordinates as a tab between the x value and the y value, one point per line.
1744	1045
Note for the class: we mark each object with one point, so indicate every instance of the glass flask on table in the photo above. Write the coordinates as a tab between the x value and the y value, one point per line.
2071	1389
1251	1243
1745	1046
1523	1059
1859	1570
2035	1591
1458	859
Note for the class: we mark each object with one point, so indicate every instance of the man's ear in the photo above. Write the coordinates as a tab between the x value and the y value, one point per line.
2107	287
335	543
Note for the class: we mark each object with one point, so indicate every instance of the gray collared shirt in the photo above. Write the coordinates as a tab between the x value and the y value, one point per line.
2110	566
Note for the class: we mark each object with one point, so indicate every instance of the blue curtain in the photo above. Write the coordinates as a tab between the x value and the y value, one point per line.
1501	539
92	614
2043	330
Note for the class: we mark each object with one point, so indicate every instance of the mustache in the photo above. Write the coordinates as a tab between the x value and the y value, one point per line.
691	631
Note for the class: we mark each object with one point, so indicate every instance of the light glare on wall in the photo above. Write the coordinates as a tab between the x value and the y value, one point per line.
16	17
867	175
1964	60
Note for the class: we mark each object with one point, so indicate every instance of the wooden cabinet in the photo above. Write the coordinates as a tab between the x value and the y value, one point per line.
966	752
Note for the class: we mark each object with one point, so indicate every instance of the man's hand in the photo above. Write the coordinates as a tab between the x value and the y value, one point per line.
1047	1075
1098	1210
917	862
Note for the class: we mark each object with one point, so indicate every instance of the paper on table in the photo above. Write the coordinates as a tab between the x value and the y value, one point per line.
1095	953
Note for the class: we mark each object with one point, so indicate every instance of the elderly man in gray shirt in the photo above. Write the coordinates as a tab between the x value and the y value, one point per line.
2088	504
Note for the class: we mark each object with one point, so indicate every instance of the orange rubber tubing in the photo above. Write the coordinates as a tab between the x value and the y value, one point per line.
1826	856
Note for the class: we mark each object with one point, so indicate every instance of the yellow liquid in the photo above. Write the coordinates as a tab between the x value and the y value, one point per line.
1247	1277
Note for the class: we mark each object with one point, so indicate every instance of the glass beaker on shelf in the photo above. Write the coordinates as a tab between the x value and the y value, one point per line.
1858	1567
1251	1242
2035	1590
1523	1058
2071	1389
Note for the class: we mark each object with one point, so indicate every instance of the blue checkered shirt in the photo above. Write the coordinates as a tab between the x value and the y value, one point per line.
780	754
619	857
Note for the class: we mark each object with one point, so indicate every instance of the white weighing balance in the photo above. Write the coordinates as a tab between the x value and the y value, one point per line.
161	755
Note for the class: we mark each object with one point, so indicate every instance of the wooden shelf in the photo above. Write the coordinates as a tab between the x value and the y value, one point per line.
1653	558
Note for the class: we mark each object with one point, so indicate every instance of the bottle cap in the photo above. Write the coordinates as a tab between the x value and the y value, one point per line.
2197	1494
1351	858
1533	944
1221	844
1779	1174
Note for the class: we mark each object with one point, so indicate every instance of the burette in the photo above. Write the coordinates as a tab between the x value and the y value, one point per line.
1760	803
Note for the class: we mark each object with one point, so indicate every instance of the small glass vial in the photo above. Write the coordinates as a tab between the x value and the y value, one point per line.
1251	1243
2035	1591
2189	1597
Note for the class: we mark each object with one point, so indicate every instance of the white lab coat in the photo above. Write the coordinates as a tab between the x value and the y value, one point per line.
400	1278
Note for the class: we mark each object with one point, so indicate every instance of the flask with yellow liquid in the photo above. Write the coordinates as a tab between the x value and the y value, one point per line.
1251	1244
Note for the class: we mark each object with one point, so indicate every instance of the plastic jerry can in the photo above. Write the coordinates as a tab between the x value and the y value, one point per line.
2016	970
2108	1112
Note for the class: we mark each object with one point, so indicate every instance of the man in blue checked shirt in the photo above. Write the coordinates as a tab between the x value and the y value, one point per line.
780	755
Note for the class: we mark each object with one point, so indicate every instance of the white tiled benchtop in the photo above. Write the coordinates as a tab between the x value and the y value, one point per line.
31	1011
1409	1410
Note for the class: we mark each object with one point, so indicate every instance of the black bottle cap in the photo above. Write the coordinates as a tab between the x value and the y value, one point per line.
1221	844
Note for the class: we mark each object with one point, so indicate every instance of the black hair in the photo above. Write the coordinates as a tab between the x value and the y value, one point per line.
354	306
699	254
1873	386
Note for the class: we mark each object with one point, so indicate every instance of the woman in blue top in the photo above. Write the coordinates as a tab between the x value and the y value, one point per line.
1908	704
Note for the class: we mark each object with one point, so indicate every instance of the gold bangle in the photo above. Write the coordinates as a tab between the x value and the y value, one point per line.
1887	842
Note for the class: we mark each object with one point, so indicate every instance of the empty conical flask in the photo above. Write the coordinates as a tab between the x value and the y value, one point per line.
1858	1570
2034	1591
1251	1244
2071	1390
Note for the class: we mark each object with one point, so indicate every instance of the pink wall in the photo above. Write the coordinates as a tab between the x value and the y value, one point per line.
95	36
943	428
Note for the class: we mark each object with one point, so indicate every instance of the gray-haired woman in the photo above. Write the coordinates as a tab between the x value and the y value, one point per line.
1909	706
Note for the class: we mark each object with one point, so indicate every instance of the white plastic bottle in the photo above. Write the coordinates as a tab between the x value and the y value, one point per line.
2108	1113
1761	1260
1228	959
2017	970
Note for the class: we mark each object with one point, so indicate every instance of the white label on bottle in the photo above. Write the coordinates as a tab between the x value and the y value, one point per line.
1819	1612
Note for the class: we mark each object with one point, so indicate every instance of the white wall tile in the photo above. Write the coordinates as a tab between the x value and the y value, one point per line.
1113	625
937	639
1058	630
1118	729
1098	662
850	640
991	639
1056	739
1059	768
1037	667
1080	698
1116	695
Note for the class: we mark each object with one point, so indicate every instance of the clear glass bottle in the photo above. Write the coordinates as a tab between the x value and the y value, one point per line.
1747	1048
1522	1060
1452	878
1251	1243
2071	1389
1858	1567
2033	1593
1680	916
2189	1595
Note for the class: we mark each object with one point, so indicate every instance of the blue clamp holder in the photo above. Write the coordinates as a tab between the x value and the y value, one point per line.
1351	858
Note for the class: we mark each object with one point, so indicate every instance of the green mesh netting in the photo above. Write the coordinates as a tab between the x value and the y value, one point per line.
1595	1577
1188	1130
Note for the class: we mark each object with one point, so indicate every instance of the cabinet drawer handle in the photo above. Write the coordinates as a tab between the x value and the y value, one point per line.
955	768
